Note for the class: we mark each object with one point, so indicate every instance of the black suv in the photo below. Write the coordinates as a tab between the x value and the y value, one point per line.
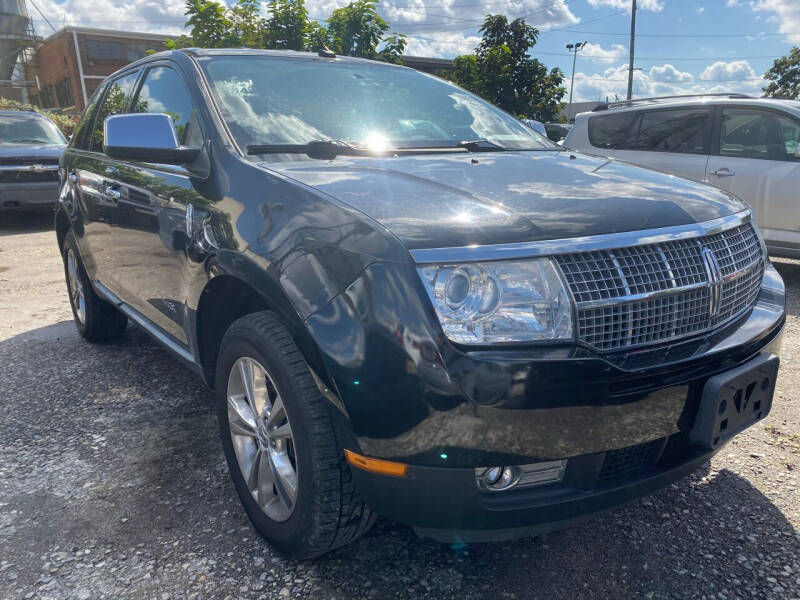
30	146
410	304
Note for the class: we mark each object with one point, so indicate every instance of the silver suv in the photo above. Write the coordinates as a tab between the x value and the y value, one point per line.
747	146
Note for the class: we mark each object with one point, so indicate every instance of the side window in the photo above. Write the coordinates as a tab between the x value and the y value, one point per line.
608	131
751	133
163	91
116	100
679	130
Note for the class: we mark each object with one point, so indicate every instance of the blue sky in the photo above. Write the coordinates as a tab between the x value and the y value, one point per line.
681	45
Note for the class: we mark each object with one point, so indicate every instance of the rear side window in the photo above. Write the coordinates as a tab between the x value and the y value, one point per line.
116	101
679	130
608	131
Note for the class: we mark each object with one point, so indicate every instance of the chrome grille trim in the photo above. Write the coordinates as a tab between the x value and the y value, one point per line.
654	293
460	254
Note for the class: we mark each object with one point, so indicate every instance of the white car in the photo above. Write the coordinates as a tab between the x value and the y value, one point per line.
748	146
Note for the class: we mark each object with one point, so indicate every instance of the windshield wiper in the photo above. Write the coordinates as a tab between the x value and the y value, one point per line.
314	149
481	145
327	149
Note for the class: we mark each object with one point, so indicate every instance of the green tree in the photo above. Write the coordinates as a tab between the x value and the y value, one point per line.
784	76
356	29
247	26
393	48
502	71
288	26
211	27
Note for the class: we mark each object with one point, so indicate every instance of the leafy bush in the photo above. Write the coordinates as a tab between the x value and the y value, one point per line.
63	122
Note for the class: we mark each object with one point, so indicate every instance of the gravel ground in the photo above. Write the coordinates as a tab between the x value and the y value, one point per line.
113	485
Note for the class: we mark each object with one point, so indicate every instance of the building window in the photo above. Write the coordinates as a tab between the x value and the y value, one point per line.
47	98
101	50
136	50
63	91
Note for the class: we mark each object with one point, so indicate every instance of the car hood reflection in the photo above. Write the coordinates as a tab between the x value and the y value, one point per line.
445	200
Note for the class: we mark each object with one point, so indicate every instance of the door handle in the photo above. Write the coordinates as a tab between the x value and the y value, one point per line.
723	172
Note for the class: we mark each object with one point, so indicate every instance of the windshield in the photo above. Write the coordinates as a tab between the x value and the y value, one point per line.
27	129
282	100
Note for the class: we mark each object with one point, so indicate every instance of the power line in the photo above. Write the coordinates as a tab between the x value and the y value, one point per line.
657	58
525	15
39	10
541	29
669	82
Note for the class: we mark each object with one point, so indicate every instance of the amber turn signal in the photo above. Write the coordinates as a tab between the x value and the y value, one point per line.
374	465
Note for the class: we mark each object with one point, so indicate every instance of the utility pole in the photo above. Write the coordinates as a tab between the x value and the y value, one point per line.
574	49
633	40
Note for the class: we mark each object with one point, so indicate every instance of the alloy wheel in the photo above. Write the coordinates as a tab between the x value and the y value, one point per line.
262	438
75	286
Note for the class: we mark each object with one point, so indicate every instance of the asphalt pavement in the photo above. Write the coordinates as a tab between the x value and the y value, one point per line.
113	485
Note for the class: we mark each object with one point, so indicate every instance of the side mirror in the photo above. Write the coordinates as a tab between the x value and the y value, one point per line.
147	137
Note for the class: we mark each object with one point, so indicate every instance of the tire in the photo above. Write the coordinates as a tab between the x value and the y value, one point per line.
96	319
326	512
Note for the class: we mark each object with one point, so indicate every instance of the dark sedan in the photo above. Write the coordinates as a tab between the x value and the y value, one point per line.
409	303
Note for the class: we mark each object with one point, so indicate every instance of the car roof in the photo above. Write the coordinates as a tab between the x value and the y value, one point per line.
184	53
793	106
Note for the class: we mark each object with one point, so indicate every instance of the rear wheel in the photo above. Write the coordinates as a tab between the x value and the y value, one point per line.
281	443
96	319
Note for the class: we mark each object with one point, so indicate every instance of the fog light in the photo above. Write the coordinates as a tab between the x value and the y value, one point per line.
493	475
497	479
500	478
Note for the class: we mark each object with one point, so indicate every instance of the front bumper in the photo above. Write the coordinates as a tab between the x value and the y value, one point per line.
26	196
410	397
446	505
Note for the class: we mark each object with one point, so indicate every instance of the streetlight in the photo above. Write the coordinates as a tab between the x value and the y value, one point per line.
574	48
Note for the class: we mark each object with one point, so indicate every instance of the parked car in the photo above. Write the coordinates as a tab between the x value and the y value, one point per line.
408	303
537	126
747	146
557	131
30	146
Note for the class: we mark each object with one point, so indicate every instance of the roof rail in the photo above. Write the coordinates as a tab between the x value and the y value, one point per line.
657	99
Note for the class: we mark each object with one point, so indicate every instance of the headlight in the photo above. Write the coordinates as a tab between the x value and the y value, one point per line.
503	301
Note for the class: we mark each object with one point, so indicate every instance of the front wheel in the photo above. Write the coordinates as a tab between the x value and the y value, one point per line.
281	443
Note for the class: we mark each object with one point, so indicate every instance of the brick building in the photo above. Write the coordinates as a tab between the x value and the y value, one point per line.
71	63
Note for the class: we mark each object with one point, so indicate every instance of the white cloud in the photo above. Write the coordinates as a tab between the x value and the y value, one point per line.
152	16
736	69
414	16
666	80
786	13
654	5
700	10
732	3
596	53
667	72
439	45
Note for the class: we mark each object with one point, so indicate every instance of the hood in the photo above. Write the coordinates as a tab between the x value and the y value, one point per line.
20	152
444	200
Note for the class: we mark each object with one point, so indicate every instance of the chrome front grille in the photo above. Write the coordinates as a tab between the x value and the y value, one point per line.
653	293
